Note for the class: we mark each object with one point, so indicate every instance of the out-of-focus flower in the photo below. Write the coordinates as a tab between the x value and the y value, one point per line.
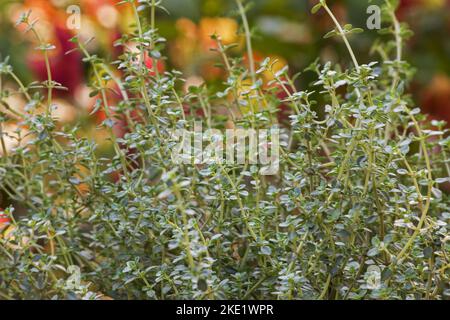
4	220
108	16
160	66
186	44
436	98
107	13
106	21
225	28
191	50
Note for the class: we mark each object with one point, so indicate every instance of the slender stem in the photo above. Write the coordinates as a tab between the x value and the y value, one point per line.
344	37
325	289
403	253
21	85
48	68
248	40
397	28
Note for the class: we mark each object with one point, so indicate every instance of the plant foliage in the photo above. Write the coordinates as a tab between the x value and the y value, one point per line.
357	210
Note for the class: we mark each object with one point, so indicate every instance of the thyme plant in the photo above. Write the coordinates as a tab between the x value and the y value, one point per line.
356	211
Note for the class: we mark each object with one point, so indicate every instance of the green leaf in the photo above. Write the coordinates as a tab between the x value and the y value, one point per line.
330	34
428	252
316	8
265	250
357	30
372	252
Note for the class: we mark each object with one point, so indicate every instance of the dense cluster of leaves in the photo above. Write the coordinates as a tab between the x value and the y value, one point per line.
357	210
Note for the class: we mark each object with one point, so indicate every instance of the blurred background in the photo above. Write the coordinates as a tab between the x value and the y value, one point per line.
283	29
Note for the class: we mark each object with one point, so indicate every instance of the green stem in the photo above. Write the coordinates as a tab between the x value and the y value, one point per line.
248	40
